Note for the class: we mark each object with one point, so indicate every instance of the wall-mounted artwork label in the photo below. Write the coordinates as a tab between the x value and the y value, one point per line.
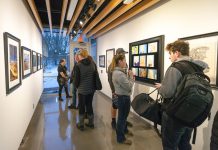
12	53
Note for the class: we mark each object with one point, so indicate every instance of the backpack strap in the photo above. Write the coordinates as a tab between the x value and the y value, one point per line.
187	67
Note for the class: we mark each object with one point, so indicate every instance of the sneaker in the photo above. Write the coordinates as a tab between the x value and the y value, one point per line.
113	124
68	96
127	142
60	99
129	124
129	133
80	127
90	125
72	107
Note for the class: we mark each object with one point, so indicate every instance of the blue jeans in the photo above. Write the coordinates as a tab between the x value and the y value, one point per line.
123	112
174	135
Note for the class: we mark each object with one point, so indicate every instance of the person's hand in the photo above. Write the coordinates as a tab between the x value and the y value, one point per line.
157	85
131	75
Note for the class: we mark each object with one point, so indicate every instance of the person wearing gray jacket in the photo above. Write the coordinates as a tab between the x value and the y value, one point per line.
175	135
123	88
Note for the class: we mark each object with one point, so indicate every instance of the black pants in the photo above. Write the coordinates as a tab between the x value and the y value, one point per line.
61	85
85	104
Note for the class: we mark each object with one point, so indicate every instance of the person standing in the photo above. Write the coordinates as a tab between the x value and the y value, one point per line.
84	82
119	51
214	134
62	79
123	88
73	105
175	135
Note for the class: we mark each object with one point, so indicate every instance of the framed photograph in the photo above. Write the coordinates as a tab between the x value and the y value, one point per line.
34	61
41	61
204	47
12	62
146	59
26	61
38	61
102	61
109	56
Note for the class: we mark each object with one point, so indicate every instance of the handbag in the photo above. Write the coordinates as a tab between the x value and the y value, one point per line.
115	100
98	85
147	107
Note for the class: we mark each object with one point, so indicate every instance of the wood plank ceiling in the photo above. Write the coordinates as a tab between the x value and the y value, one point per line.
90	17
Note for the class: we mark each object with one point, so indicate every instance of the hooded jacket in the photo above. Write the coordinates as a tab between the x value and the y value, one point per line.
173	76
84	76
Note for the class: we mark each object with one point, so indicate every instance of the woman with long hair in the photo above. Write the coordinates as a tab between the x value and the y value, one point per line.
123	84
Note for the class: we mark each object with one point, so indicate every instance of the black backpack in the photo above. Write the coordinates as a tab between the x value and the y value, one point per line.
193	99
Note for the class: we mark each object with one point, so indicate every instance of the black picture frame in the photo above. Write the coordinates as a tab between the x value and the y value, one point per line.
34	61
38	61
146	59
102	61
41	61
26	61
12	53
109	56
205	47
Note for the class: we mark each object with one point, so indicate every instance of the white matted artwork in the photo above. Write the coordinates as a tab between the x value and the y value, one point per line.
109	57
204	47
12	62
152	47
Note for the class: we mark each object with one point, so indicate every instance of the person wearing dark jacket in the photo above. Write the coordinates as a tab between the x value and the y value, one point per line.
84	82
214	134
62	79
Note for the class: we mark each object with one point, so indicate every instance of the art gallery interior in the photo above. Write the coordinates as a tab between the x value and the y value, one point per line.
32	119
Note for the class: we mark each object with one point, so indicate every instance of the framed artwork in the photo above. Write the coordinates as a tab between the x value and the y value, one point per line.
38	61
109	56
12	52
146	59
204	47
26	61
34	61
102	61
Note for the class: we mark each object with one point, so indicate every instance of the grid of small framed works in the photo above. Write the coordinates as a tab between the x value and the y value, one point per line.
146	59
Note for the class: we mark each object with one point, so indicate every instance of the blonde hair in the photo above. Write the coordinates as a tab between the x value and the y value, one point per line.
115	61
83	52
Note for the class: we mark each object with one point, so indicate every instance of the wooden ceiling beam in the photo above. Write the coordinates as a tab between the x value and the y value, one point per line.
36	14
92	12
63	13
129	14
112	4
78	10
112	17
48	6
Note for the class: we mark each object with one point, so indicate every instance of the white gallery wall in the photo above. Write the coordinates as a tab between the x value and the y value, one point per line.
17	108
174	19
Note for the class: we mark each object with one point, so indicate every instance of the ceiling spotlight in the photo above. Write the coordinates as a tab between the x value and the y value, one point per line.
80	22
127	1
